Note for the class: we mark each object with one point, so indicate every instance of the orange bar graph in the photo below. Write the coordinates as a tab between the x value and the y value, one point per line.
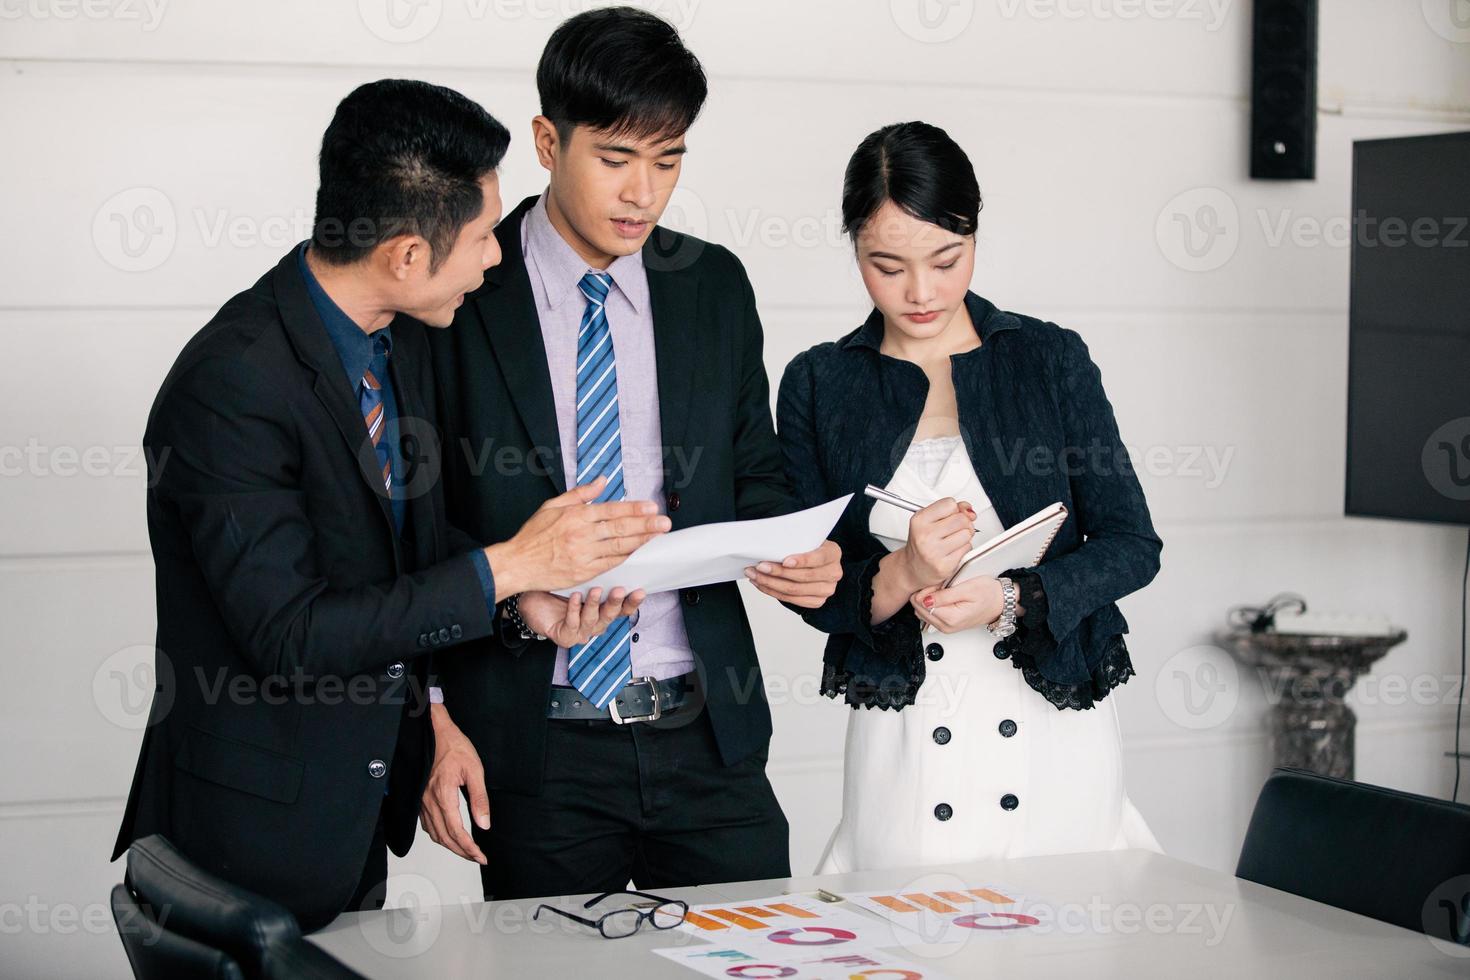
896	904
800	913
743	921
703	922
756	910
991	896
959	898
929	902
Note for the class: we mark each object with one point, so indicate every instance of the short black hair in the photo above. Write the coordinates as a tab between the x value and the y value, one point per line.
917	167
621	70
402	157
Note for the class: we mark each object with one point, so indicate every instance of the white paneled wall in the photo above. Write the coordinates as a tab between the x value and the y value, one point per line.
159	156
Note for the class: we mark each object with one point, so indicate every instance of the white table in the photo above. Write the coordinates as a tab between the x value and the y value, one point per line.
1125	914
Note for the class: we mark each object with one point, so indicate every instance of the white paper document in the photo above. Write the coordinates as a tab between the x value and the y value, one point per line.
713	553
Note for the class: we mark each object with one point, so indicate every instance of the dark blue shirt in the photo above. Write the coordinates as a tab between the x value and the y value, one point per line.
360	352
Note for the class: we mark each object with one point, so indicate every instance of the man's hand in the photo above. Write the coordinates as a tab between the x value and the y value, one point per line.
571	621
570	540
806	580
456	765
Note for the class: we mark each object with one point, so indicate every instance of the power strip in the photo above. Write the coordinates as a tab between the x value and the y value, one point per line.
1333	623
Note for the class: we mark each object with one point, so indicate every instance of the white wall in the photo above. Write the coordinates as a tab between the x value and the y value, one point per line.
1091	123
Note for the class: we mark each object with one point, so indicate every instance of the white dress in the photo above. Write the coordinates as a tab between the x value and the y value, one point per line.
1009	774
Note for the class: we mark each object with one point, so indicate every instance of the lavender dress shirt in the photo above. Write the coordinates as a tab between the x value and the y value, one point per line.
660	646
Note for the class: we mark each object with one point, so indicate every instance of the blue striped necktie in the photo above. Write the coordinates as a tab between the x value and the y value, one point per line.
599	668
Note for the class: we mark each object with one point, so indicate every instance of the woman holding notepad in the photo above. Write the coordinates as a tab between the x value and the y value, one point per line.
993	736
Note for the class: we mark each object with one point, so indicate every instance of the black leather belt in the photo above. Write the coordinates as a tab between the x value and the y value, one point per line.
642	699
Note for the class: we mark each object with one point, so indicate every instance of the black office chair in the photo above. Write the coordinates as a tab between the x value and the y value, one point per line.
1394	856
211	929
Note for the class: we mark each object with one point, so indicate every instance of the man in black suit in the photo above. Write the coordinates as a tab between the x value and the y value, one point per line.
306	571
603	346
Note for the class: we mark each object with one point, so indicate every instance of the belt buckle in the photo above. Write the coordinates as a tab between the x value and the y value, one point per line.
654	715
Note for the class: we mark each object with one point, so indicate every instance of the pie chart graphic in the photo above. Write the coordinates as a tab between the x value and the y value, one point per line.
995	920
812	936
760	970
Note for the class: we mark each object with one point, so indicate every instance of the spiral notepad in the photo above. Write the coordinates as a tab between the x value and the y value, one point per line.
1019	546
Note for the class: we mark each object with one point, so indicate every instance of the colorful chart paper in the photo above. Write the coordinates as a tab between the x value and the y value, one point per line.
951	915
785	925
732	963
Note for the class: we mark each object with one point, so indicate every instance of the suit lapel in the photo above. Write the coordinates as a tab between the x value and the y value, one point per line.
507	311
674	298
314	349
422	455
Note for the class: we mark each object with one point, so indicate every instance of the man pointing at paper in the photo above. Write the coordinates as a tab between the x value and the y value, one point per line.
604	347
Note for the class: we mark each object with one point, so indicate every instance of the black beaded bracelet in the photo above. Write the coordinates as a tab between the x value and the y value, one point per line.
513	613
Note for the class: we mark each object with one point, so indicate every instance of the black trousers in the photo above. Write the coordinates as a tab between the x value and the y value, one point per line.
648	802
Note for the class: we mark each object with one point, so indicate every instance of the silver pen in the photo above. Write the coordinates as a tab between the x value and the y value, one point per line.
889	497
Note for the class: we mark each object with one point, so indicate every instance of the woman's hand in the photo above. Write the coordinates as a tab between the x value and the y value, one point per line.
571	621
973	602
939	536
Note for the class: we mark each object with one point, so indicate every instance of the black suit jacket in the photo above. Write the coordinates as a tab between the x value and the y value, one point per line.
503	459
293	621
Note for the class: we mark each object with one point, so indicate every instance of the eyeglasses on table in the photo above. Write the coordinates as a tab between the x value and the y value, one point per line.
621	923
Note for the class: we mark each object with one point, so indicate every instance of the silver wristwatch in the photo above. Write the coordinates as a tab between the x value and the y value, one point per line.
1005	625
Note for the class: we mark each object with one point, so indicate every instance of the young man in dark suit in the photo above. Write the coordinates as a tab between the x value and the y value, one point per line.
306	570
603	346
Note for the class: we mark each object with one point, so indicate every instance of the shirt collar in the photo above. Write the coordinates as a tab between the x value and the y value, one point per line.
559	268
984	316
355	347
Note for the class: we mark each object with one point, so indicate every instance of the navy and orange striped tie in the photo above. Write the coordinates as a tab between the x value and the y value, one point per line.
370	398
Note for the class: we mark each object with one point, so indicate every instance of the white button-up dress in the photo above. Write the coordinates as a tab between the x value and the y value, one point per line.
981	765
